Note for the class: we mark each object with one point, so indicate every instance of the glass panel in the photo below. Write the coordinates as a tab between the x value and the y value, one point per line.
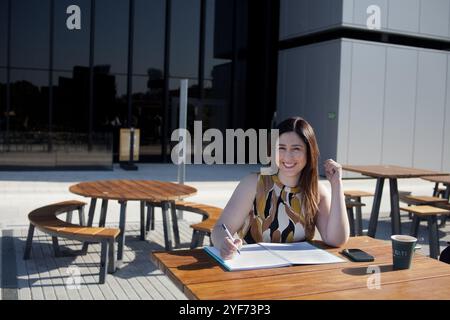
30	31
3	31
147	107
71	46
149	35
2	99
184	38
71	100
110	103
211	59
217	82
111	34
29	100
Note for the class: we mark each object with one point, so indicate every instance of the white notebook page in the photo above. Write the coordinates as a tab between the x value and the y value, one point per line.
253	256
302	253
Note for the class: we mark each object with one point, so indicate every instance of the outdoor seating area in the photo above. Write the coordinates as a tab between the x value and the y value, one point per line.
137	258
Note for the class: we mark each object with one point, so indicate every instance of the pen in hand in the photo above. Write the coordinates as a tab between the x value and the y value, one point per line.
230	236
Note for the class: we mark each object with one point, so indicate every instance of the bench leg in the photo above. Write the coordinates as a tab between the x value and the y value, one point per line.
142	220
415	226
103	262
175	229
69	215
81	216
165	217
197	239
358	219
443	221
56	247
433	235
201	237
351	221
194	241
90	222
150	218
27	252
102	220
121	242
436	189
112	257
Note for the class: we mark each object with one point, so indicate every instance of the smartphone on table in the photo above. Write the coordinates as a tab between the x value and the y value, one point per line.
357	255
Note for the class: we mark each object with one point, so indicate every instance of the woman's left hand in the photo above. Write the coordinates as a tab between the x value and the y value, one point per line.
333	171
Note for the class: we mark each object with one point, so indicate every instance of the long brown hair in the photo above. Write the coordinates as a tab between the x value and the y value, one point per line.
309	177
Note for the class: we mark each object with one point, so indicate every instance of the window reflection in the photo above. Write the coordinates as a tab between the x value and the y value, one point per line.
217	74
185	38
2	99
29	101
111	34
3	31
110	103
70	102
30	29
149	33
147	108
71	47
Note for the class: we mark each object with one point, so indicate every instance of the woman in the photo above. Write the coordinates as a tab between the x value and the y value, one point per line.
286	206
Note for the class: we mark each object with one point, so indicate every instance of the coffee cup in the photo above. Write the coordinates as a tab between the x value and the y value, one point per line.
402	251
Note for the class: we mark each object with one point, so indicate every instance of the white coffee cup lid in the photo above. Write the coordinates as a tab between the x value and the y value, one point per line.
403	237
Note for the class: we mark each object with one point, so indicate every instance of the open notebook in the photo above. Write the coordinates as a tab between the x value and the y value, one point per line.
273	255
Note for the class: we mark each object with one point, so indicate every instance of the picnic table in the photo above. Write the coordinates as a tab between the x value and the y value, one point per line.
200	277
393	173
445	180
123	191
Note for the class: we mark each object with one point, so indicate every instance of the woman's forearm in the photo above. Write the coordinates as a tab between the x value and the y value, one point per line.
217	236
337	228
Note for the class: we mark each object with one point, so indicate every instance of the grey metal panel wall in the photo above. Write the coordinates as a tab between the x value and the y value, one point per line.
345	86
299	17
430	106
446	131
426	18
394	105
360	12
309	87
435	18
404	15
365	131
399	106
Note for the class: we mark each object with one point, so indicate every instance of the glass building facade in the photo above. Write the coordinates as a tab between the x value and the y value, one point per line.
74	72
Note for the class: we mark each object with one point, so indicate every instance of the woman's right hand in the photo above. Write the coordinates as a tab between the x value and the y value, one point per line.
228	249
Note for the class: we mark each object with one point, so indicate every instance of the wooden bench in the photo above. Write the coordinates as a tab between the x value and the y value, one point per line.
420	200
412	200
45	219
204	228
355	196
429	213
355	222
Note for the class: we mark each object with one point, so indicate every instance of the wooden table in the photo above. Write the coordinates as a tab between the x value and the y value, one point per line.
135	190
381	172
200	277
445	180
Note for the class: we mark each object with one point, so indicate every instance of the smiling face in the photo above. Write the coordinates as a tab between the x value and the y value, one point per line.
292	154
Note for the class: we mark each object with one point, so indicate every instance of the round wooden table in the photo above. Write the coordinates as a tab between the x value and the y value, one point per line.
165	193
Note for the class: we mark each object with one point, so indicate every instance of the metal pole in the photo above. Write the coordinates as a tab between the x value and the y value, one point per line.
182	127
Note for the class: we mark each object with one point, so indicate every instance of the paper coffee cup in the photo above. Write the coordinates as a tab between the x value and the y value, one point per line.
402	251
